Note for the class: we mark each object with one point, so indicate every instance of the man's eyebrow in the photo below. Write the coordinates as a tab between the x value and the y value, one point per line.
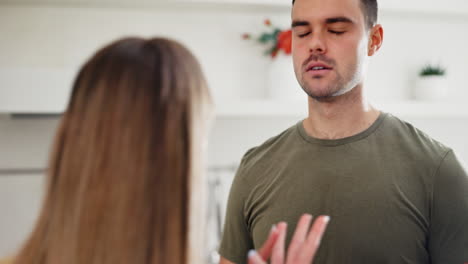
331	20
298	23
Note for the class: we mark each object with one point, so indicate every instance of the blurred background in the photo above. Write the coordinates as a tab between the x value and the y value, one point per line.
44	42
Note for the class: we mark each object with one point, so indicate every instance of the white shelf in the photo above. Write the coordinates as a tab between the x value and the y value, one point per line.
242	109
46	91
425	110
261	108
298	109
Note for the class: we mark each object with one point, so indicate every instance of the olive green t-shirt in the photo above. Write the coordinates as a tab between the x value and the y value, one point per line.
394	196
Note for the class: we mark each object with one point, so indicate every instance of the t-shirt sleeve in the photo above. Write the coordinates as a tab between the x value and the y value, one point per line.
236	240
448	239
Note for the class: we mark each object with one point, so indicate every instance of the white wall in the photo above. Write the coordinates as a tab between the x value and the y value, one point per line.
65	37
56	37
52	37
411	41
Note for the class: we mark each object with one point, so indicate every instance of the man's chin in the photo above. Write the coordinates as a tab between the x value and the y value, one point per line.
323	98
324	93
319	95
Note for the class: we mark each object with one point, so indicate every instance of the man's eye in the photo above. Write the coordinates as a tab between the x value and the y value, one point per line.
303	34
336	32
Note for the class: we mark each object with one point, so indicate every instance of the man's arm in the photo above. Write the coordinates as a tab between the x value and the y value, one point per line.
236	240
448	238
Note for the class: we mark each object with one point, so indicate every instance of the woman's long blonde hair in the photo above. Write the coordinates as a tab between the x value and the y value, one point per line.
126	161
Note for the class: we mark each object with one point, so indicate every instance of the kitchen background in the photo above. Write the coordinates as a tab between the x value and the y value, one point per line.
43	42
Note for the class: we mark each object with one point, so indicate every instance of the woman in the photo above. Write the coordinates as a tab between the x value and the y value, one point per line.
124	181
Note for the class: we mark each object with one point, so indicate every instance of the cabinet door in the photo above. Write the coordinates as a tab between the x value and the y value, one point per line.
35	90
20	201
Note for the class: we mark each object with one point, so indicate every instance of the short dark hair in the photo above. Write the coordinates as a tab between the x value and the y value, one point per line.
370	10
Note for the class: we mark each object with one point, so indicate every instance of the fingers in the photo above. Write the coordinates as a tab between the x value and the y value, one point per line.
265	250
299	236
277	256
254	258
310	246
303	246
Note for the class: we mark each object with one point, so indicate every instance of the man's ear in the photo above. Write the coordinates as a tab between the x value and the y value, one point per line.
375	39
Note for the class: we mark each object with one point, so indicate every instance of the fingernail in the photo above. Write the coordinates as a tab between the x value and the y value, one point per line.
273	228
251	253
326	219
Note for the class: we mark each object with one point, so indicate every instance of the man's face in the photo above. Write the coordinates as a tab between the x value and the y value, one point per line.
329	46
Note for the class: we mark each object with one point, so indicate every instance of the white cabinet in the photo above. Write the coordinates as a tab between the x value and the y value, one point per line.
298	109
20	201
35	90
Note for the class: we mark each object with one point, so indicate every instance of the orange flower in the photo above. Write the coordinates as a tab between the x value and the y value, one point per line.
267	22
284	41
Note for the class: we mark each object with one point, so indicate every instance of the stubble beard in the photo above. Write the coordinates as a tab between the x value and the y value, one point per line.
336	87
333	89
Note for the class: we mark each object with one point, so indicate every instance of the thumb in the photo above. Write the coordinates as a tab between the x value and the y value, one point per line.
254	258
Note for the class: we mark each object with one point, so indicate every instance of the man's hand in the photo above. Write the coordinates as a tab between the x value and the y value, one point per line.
266	249
302	248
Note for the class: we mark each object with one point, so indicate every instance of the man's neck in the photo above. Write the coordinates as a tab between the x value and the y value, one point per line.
341	116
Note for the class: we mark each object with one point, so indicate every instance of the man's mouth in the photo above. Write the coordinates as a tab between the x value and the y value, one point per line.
317	67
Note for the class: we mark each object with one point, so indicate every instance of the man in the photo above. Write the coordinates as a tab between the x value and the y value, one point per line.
394	194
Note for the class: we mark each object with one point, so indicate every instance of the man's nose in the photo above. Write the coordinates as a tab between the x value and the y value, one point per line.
317	44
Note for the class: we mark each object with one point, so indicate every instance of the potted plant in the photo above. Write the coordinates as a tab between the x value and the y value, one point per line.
431	83
281	80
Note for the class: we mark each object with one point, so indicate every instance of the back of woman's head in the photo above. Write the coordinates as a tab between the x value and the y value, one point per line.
121	174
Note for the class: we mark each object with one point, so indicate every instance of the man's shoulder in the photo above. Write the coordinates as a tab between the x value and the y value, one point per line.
412	138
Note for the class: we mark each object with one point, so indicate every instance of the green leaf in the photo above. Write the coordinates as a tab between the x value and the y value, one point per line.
429	70
265	38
